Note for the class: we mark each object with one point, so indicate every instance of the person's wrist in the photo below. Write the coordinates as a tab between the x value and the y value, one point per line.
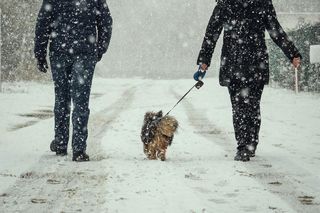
296	62
204	66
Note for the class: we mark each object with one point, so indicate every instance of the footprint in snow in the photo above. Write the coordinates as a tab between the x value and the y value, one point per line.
192	176
218	201
52	181
38	200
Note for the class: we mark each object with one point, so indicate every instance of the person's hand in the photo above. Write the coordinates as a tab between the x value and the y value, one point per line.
204	67
200	73
42	65
99	57
296	62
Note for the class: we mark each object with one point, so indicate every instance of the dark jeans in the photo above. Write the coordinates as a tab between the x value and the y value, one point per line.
245	100
72	76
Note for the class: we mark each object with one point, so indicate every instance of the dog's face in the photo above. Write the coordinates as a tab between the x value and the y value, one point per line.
168	125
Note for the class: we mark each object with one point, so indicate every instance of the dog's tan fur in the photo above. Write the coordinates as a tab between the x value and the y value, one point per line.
162	139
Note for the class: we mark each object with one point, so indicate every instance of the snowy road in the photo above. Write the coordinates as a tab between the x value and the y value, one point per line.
199	175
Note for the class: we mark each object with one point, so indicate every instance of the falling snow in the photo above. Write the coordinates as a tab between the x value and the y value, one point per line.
147	65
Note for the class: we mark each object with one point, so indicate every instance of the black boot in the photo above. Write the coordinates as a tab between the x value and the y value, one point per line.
80	157
252	150
252	153
242	155
55	148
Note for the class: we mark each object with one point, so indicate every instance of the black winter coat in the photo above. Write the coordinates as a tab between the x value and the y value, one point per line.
73	27
244	53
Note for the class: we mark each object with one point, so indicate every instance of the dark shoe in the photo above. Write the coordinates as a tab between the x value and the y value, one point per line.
61	152
80	157
242	155
252	153
54	148
252	150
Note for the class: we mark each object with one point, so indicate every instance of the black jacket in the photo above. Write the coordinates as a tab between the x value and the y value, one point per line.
244	53
73	27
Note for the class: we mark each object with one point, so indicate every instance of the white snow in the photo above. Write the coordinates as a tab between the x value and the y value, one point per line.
315	54
199	175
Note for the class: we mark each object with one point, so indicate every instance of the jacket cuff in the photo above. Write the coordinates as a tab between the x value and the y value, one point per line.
40	55
203	60
296	55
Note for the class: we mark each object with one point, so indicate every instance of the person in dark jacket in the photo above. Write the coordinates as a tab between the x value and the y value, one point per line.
244	61
78	33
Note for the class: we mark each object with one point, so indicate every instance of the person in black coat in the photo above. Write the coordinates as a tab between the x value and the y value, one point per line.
78	33
244	61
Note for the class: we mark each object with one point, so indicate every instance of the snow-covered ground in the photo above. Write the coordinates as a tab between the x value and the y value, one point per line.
199	176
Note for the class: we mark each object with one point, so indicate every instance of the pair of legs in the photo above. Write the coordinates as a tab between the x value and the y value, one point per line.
245	100
72	76
156	149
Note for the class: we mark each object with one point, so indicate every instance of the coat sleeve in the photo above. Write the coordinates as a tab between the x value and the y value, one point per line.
278	35
104	25
213	32
43	30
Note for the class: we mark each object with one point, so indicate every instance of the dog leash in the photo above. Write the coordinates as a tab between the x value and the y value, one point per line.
198	85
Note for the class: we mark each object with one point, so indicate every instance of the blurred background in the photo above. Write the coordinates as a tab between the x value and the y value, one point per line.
159	40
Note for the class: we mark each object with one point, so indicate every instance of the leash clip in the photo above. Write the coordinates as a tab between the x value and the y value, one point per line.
199	84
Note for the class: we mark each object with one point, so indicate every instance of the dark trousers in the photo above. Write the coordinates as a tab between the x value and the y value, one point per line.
72	76
245	100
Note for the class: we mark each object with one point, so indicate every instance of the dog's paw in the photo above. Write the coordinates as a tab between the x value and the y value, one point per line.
162	156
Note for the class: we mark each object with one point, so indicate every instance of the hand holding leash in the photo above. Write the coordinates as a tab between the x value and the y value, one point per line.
199	75
296	62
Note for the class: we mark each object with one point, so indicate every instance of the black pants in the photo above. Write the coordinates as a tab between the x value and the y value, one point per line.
245	100
72	76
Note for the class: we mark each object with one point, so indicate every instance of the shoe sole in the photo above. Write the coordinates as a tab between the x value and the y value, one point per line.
53	147
61	154
75	160
243	160
80	159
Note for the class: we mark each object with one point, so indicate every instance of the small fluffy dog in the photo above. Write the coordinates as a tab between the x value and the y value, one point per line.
157	134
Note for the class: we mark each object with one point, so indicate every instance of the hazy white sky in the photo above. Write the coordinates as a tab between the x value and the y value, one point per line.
162	39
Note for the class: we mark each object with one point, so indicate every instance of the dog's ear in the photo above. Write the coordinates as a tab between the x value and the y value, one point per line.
160	114
147	116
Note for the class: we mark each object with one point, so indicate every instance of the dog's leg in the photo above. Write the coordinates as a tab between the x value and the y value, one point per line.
162	155
162	150
152	152
145	149
152	155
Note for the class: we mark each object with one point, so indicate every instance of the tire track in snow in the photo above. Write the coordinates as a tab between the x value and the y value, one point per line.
289	189
57	184
136	184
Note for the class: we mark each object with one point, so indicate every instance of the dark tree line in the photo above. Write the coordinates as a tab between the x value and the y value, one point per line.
17	32
281	70
151	40
144	34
